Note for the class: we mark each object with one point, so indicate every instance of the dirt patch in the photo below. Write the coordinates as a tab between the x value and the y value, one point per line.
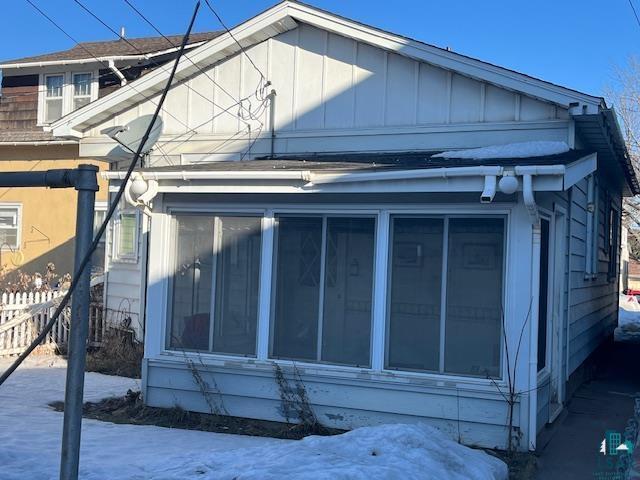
130	409
522	465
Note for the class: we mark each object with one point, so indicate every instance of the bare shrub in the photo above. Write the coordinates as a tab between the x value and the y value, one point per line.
294	402
119	354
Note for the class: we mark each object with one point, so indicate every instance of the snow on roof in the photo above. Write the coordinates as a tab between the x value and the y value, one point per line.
509	150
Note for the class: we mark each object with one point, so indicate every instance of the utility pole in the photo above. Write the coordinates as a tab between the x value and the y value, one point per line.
87	186
84	180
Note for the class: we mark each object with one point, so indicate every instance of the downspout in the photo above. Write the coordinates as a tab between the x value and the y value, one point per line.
489	190
529	199
533	336
272	121
118	73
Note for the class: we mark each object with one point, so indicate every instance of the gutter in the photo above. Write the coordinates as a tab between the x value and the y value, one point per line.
185	175
79	61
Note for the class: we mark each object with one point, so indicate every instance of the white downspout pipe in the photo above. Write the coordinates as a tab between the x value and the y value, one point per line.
489	191
533	336
118	73
529	198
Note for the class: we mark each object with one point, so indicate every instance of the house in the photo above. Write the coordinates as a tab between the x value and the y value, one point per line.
413	234
37	226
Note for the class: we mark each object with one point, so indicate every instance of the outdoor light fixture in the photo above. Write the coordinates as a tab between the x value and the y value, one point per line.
508	184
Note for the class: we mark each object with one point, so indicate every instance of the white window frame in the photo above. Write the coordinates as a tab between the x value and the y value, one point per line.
116	255
73	92
67	91
18	208
443	291
321	291
161	272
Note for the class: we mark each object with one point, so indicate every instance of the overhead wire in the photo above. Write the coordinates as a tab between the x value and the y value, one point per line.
116	200
152	25
234	38
101	62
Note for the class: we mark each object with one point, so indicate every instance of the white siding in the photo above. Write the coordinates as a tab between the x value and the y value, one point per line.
329	83
592	301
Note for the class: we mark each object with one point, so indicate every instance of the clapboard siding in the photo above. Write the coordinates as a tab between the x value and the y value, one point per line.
592	298
124	289
474	417
325	81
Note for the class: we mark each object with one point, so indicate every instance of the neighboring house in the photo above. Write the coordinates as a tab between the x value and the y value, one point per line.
37	226
308	222
633	275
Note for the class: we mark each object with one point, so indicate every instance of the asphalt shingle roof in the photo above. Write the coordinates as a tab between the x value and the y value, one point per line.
120	47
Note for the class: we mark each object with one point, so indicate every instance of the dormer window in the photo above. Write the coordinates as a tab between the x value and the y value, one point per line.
62	93
54	98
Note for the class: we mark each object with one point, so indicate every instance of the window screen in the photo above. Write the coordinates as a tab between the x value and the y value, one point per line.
217	265
416	284
463	336
323	289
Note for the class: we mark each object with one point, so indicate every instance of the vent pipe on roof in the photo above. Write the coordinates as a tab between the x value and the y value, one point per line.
122	32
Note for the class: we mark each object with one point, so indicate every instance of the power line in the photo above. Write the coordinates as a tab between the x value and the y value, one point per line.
143	53
234	38
635	13
116	200
152	25
101	62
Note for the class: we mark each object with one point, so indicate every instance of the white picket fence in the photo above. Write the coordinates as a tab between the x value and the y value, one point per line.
24	315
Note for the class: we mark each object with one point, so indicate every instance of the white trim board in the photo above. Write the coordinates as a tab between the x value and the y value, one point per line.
285	16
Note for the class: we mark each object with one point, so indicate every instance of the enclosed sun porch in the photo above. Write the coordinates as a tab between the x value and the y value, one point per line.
395	287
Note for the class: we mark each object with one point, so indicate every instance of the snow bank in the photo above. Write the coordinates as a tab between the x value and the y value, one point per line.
510	150
385	452
30	435
628	329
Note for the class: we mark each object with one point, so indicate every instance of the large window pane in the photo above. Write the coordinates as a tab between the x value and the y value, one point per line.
54	86
474	296
237	279
415	292
297	288
346	328
192	283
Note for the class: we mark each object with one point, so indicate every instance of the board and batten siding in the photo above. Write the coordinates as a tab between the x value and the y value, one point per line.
336	94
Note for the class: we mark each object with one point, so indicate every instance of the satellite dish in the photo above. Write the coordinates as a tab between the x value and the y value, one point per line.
130	135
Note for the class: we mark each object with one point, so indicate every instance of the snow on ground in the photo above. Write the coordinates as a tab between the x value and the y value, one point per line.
30	435
628	329
509	150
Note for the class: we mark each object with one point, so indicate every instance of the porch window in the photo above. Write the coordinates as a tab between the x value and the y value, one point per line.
215	284
53	97
323	289
445	295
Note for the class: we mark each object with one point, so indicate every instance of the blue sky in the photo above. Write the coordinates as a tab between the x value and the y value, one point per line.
575	43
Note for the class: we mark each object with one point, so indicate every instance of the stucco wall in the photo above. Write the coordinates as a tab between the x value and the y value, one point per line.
47	224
